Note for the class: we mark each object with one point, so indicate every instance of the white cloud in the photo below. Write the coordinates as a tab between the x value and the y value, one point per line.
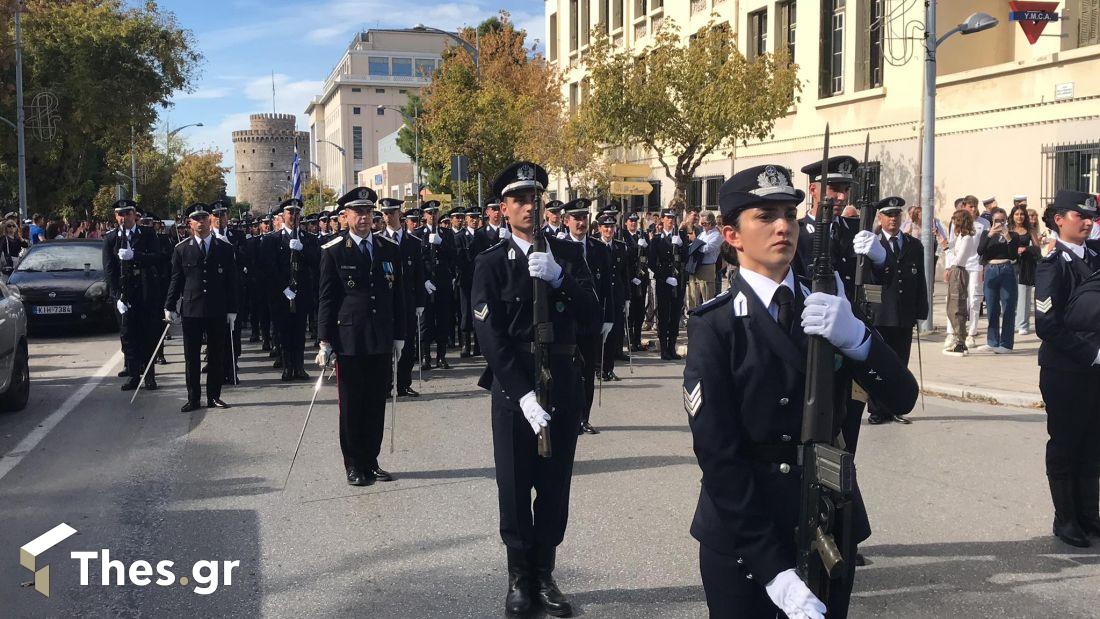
327	33
203	93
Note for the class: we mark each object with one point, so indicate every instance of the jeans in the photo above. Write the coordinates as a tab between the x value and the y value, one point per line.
1024	300
1000	301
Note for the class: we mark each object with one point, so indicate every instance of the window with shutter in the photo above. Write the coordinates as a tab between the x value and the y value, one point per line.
1088	23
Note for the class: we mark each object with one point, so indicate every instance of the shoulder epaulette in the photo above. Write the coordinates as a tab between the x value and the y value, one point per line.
493	246
386	239
335	241
718	301
186	240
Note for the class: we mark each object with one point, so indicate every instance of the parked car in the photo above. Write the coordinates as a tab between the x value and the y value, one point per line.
62	283
15	375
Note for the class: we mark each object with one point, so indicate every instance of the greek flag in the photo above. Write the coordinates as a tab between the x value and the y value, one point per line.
297	175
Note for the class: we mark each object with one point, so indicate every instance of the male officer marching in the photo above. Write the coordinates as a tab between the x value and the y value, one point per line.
503	320
204	276
130	257
361	323
744	386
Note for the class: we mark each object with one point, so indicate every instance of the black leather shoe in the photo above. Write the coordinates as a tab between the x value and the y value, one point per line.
356	477
547	594
666	357
131	384
518	601
1066	527
216	403
407	392
287	375
205	368
161	360
379	474
861	560
902	420
150	384
124	373
1088	504
254	339
612	376
465	354
442	364
426	366
876	420
588	429
266	347
676	356
278	363
190	406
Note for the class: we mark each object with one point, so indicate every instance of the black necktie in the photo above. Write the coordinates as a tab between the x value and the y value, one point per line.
784	301
202	247
895	243
363	248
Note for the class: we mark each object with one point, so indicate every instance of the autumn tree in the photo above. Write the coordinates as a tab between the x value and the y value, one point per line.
685	100
568	149
316	195
199	177
487	117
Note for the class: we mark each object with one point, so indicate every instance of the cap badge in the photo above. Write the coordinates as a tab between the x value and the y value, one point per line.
1090	203
525	173
363	194
893	202
845	167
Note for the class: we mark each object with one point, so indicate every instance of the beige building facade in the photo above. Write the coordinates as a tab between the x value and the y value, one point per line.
1012	117
346	121
389	180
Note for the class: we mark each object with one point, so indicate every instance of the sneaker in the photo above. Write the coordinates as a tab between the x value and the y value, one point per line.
986	348
950	342
1001	350
1022	332
959	350
970	343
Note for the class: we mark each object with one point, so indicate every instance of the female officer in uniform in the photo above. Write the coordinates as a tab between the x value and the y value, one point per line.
744	384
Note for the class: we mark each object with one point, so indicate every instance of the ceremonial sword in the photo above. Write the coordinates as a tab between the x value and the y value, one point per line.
316	390
167	326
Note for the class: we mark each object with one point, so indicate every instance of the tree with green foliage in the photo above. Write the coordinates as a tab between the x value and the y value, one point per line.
317	195
199	177
685	100
110	65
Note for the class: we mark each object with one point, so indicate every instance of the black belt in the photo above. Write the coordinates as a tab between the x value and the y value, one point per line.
554	349
776	453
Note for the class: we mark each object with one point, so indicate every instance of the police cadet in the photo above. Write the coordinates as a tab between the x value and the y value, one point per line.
744	384
1066	320
467	251
131	254
361	318
619	278
440	257
289	259
204	284
637	259
899	268
221	229
259	305
667	252
841	170
412	285
503	319
552	213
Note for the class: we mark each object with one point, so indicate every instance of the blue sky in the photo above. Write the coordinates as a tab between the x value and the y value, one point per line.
244	41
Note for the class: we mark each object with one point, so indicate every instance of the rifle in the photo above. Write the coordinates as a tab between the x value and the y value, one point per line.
867	295
544	332
824	540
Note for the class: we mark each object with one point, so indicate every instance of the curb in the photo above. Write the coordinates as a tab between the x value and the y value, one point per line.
985	396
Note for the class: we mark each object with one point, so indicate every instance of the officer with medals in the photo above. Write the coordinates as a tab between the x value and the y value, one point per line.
899	267
667	253
504	322
412	284
1068	323
361	319
204	285
289	258
131	254
744	387
440	257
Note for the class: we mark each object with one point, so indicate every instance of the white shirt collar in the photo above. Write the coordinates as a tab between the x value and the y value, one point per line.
206	241
521	244
575	239
1078	250
355	238
764	287
394	232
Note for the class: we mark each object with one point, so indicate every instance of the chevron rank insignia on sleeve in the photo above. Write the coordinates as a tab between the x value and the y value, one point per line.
482	313
693	399
1043	305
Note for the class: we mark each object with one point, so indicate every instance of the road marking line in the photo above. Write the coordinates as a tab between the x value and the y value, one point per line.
29	442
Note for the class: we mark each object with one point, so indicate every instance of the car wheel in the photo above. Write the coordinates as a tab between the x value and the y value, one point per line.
19	389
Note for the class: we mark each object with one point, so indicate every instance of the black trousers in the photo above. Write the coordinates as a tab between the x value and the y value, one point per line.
733	592
669	309
438	320
362	382
613	347
140	327
465	313
291	327
232	349
1073	422
194	330
589	348
637	315
900	340
261	314
408	354
520	470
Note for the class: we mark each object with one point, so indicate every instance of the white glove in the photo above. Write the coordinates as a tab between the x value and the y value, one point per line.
793	597
541	264
671	281
125	254
419	312
289	294
676	240
171	316
1096	361
505	233
831	317
562	234
536	416
642	242
122	307
398	345
429	286
435	239
295	245
325	356
866	243
231	319
605	328
636	281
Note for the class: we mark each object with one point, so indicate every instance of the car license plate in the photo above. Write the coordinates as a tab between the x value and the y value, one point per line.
53	309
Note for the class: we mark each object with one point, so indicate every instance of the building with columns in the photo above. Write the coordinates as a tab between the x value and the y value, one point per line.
1012	117
379	68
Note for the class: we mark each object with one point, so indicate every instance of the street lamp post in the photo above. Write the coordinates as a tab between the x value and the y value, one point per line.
977	22
169	133
415	121
344	158
133	185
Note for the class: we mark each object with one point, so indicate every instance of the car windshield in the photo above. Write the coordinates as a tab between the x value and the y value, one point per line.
62	257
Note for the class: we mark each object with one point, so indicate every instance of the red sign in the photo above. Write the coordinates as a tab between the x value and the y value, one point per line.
1033	17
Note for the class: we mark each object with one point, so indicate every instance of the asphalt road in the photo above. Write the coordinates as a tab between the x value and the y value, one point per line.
958	503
